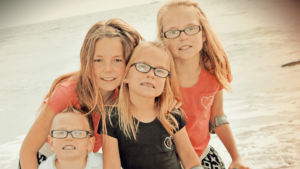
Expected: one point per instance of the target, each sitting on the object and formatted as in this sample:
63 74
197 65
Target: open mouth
185 47
69 147
108 79
148 84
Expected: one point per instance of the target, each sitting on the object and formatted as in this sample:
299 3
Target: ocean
259 37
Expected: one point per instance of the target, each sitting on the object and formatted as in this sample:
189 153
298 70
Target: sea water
258 36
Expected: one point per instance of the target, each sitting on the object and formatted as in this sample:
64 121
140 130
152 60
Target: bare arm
111 156
225 134
185 149
35 138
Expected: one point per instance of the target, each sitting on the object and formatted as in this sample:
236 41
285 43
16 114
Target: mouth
108 79
69 147
185 47
148 84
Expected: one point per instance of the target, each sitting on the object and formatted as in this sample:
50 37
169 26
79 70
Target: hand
238 164
175 104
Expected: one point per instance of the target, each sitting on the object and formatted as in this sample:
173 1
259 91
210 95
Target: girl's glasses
74 133
191 30
145 68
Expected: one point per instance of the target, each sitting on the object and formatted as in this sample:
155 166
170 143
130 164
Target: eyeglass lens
141 67
191 30
74 133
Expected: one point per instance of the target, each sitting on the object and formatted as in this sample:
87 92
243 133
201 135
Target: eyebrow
155 67
116 56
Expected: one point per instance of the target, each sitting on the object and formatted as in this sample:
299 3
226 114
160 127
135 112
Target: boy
72 140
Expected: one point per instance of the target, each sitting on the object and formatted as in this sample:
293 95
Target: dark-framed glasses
74 133
191 30
145 68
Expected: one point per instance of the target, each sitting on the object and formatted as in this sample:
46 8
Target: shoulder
95 160
48 164
178 115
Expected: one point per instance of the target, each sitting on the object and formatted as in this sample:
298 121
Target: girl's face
147 84
109 63
184 47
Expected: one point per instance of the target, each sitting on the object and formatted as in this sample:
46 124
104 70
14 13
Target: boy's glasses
145 68
74 133
191 30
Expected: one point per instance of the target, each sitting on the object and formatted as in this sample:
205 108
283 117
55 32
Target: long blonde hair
88 91
162 102
212 56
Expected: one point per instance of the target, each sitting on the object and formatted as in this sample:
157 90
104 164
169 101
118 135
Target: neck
188 67
143 107
74 163
106 96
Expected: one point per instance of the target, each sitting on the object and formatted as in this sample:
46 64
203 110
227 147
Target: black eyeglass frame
164 33
87 133
154 68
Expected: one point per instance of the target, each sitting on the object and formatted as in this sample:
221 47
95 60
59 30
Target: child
203 71
103 57
141 133
72 140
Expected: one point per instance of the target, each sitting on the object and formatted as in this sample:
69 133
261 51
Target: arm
111 156
185 149
35 138
225 134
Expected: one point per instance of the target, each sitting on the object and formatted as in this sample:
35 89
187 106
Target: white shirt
94 161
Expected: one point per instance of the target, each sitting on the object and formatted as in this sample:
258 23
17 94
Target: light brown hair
212 56
162 102
88 91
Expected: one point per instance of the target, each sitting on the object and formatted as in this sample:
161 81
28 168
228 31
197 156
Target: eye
98 60
191 28
159 70
173 31
77 132
118 60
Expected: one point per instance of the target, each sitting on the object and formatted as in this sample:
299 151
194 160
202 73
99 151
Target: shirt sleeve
229 78
61 98
180 119
110 124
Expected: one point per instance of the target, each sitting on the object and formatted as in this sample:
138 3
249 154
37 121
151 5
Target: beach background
259 37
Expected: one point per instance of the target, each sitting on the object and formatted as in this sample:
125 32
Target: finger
178 105
172 106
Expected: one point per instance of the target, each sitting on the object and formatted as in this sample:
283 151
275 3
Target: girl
203 71
140 132
104 54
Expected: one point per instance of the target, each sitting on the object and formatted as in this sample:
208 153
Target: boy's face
70 148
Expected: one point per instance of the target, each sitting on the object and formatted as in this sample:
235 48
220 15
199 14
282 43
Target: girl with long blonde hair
103 57
141 133
203 71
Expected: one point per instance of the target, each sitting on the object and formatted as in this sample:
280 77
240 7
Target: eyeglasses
145 68
74 133
191 30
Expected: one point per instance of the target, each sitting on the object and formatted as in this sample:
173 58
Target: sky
21 12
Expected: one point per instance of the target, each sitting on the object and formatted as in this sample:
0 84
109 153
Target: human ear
125 81
91 144
50 139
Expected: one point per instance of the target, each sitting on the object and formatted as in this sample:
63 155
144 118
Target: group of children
126 97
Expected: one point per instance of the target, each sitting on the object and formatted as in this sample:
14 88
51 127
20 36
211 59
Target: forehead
153 56
106 47
179 17
70 121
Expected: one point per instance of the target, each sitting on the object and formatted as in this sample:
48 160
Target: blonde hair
162 102
88 91
74 110
212 56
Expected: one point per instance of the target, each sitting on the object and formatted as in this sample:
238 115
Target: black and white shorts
212 160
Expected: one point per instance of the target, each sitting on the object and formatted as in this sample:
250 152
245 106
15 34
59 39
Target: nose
108 67
69 137
151 74
183 36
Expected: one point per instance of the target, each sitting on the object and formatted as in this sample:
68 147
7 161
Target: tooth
69 147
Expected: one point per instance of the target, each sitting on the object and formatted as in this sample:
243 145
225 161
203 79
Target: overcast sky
22 12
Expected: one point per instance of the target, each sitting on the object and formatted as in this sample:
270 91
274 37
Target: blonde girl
203 71
140 131
103 57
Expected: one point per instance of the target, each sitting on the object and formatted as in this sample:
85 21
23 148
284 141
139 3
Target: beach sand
259 37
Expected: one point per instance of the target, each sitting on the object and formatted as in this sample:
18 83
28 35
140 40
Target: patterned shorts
213 160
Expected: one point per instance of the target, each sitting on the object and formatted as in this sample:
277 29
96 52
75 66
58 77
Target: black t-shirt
153 148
